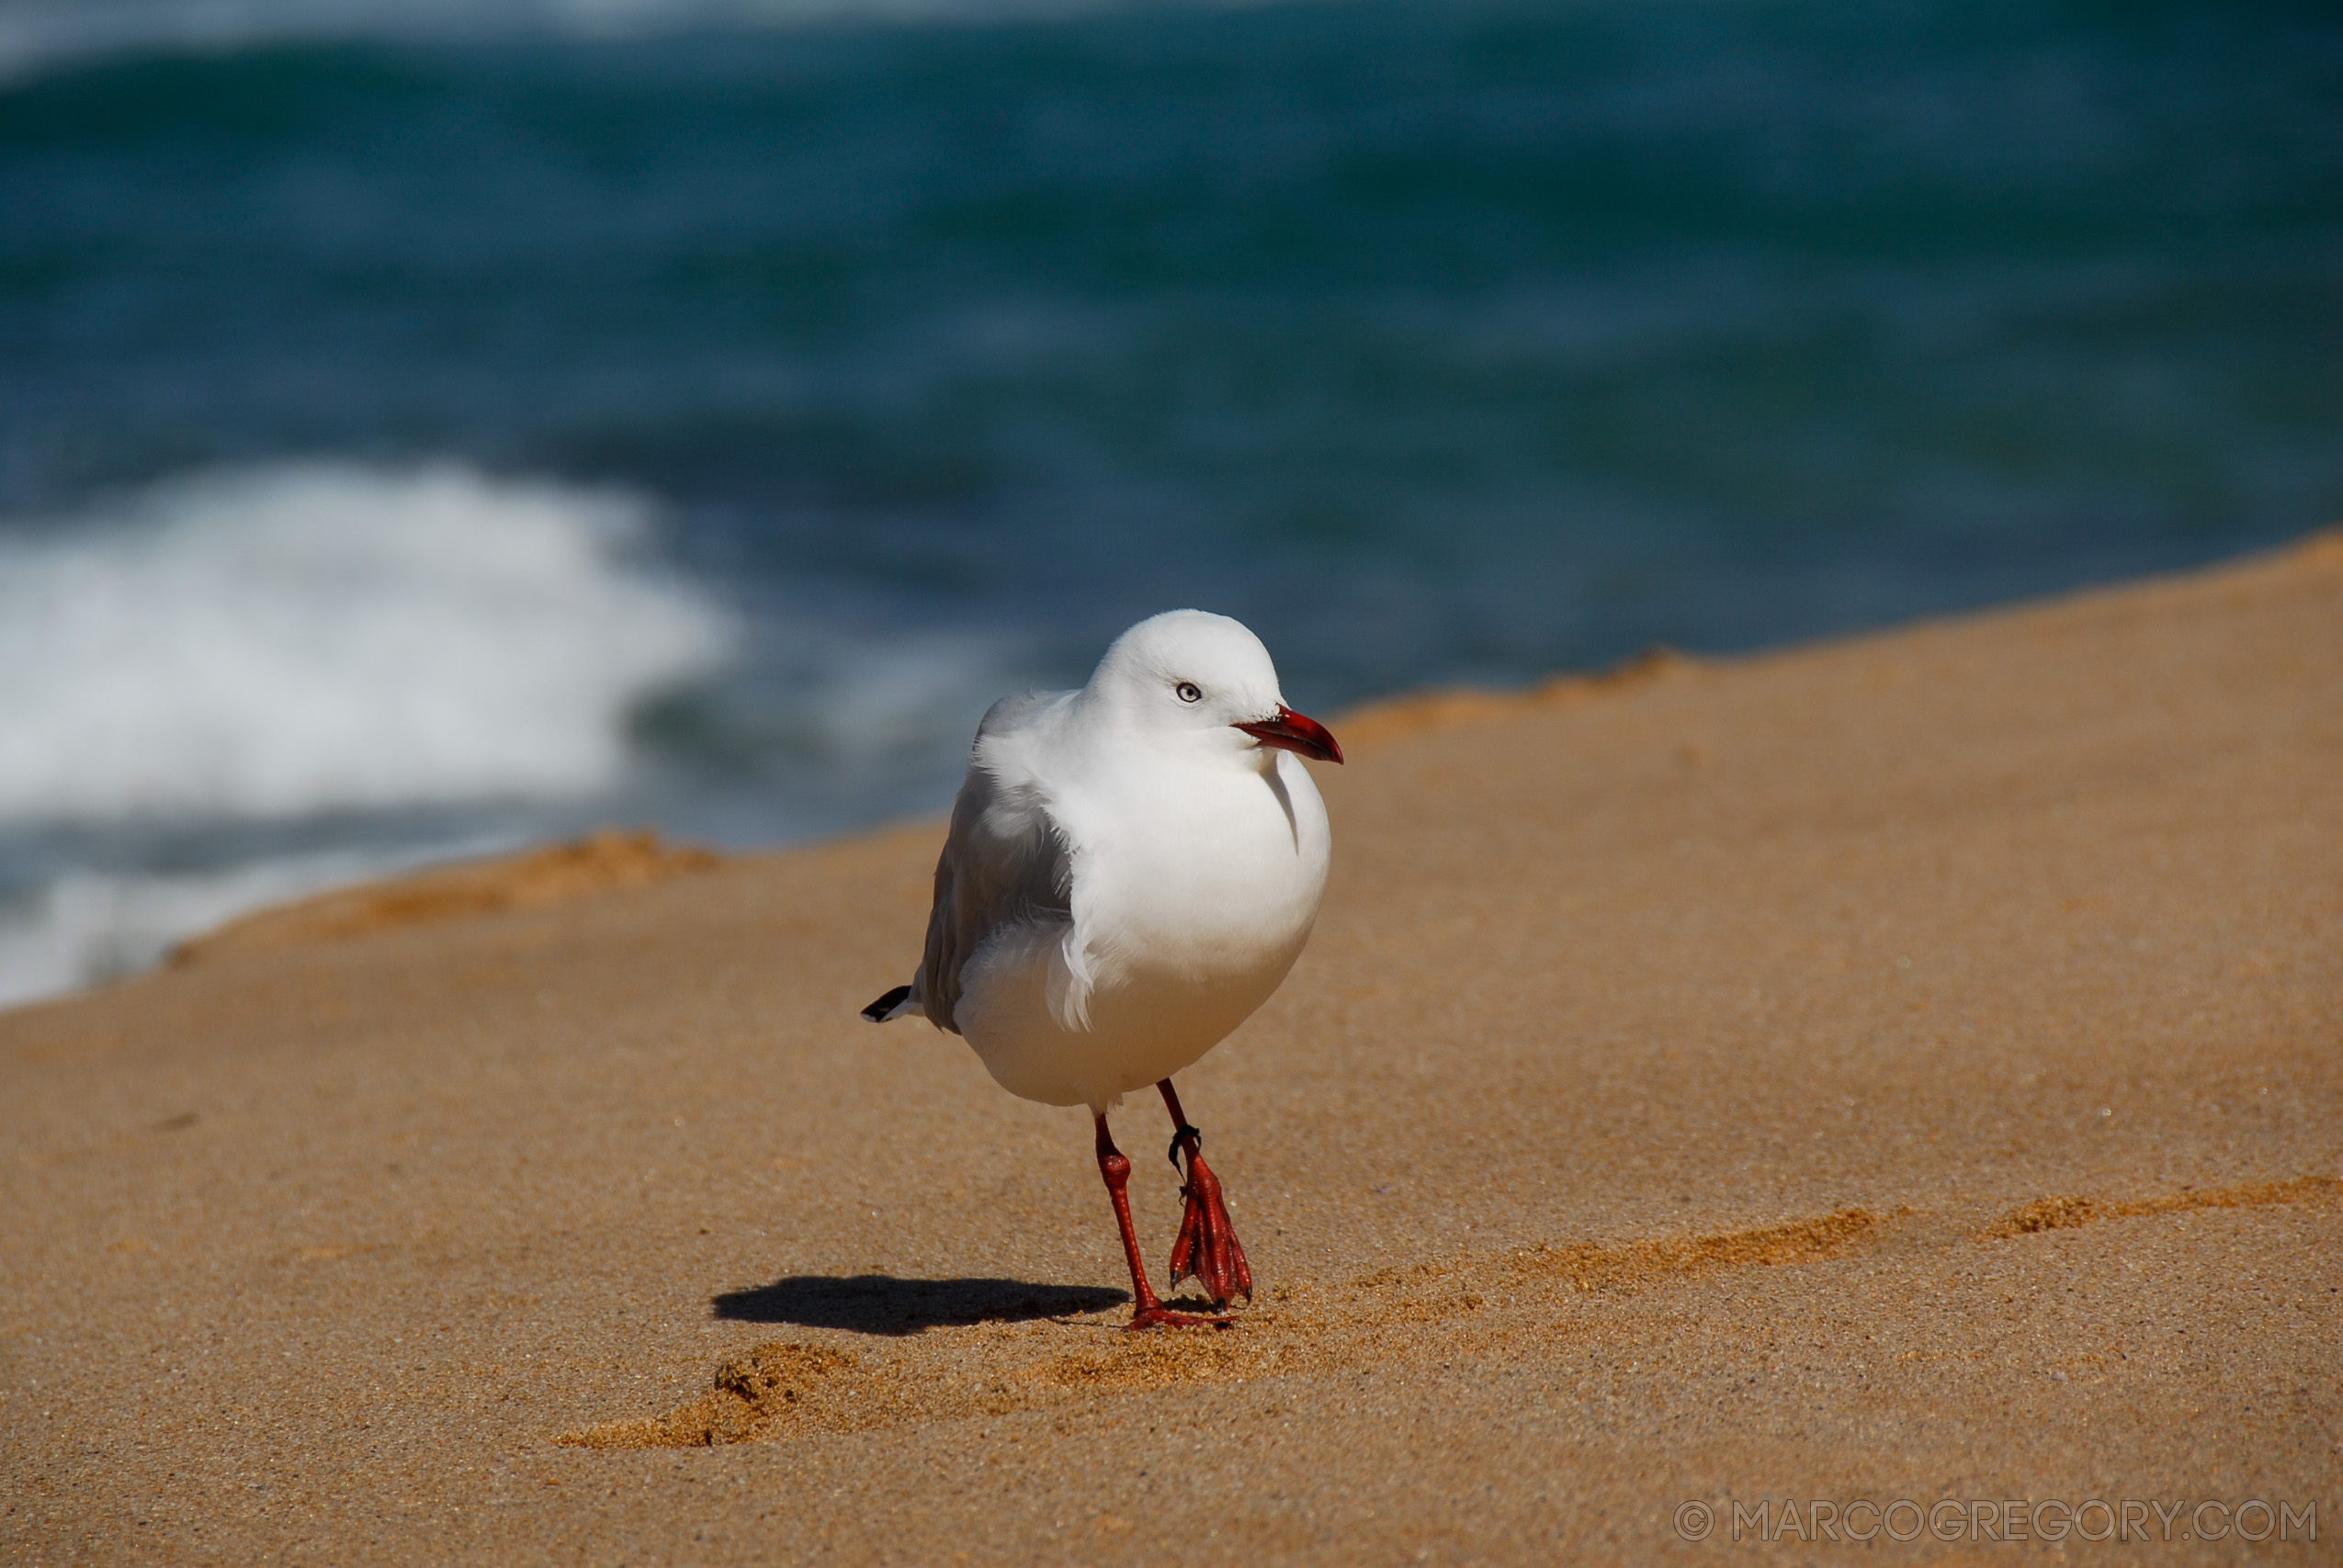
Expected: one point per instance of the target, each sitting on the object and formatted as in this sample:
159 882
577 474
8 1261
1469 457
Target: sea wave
299 638
40 36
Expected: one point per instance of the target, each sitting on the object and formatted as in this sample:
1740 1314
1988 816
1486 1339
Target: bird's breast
1216 876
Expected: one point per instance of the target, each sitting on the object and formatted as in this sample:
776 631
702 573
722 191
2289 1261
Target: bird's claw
1164 1317
1207 1250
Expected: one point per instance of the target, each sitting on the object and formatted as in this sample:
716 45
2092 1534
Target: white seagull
1132 869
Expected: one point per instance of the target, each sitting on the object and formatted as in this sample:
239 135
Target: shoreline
616 855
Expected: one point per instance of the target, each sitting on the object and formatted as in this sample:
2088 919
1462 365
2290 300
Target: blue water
788 388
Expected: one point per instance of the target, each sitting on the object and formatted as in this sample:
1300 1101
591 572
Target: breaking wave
296 639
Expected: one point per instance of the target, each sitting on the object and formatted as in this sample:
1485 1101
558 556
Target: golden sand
1908 1068
554 873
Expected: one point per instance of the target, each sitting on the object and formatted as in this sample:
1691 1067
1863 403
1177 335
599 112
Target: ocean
428 428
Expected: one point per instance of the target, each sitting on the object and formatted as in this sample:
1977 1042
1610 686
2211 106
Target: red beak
1291 731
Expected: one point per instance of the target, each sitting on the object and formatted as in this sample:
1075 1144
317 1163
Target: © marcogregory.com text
1864 1519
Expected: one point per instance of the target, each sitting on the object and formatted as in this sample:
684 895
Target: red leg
1148 1313
1207 1249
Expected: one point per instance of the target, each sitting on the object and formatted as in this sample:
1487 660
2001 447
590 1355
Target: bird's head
1189 673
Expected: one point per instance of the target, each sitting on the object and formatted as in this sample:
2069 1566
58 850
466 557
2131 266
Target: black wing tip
877 1012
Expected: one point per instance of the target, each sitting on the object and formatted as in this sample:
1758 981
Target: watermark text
1862 1520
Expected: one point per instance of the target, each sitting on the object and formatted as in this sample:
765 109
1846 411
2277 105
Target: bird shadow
880 1303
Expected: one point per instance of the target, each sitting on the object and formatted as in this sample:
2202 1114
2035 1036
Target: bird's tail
893 1005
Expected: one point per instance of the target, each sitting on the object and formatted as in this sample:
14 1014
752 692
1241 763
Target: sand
1904 1068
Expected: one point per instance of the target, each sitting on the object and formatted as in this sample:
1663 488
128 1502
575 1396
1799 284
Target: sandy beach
1907 1068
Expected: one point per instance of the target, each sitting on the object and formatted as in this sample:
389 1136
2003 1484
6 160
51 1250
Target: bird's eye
1189 691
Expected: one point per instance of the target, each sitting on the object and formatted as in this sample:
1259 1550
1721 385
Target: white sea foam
295 639
87 926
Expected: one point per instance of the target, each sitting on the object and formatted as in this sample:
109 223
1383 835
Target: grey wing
1004 864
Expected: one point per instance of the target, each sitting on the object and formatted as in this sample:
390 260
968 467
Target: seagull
1131 870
